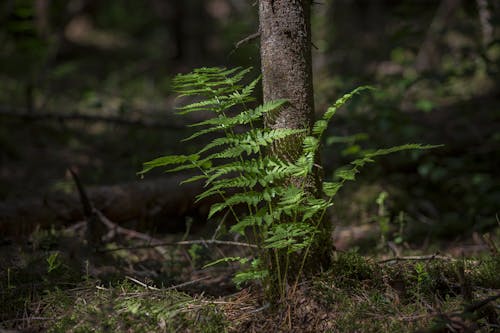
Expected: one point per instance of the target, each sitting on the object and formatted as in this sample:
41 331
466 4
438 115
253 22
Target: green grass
358 294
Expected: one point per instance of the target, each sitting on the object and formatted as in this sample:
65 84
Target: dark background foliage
434 63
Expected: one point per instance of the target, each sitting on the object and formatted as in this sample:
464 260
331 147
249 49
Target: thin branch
479 304
96 220
216 242
142 284
191 242
247 39
187 283
435 256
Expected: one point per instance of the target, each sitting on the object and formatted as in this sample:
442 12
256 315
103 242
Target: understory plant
280 217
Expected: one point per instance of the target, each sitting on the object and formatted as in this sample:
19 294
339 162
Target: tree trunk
285 51
285 36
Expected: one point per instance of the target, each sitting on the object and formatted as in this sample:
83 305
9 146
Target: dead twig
435 256
98 223
479 304
142 284
191 242
188 283
247 39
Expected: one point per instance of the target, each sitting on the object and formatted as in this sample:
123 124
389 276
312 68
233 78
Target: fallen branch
142 284
74 116
189 242
157 204
479 304
435 256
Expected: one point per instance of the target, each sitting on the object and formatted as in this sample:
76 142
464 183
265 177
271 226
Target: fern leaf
227 259
203 132
313 206
293 236
262 216
346 174
255 137
168 160
250 275
193 179
417 146
331 188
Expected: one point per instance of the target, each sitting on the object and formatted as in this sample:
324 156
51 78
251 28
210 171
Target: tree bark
285 50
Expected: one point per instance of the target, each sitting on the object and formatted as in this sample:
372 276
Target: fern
236 167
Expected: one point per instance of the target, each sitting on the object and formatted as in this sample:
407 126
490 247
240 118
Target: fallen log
155 205
75 116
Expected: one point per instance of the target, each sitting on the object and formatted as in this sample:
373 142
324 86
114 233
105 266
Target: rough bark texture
285 50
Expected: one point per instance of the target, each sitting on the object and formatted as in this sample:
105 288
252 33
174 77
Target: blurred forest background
86 84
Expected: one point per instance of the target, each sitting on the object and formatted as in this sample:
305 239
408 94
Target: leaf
168 160
226 259
341 101
331 188
215 208
346 139
293 236
262 216
417 146
194 179
242 277
346 174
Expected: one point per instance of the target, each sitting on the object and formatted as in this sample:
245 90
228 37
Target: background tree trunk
285 51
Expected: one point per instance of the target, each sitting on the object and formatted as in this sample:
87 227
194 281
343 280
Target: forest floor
53 282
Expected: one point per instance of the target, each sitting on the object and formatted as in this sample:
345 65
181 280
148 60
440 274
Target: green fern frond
168 160
341 101
313 206
330 189
224 123
247 91
250 167
218 186
209 82
237 168
250 275
244 117
293 236
409 146
249 142
349 173
246 222
194 179
291 197
266 169
203 132
320 125
212 104
227 259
